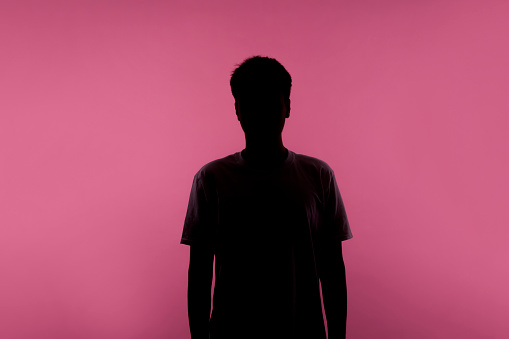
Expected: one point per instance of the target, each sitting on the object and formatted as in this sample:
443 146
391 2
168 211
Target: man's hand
331 269
200 273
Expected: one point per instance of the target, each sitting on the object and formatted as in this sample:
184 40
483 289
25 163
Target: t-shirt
264 227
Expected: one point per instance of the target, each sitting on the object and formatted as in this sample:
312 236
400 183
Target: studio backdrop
109 108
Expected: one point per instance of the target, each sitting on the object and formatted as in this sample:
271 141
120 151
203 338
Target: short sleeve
200 220
335 223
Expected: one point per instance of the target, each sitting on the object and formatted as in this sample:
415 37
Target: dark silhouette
273 219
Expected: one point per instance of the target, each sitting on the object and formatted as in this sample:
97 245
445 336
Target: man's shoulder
218 164
312 162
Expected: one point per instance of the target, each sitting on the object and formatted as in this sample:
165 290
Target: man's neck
264 155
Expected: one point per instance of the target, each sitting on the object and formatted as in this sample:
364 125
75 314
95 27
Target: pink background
108 109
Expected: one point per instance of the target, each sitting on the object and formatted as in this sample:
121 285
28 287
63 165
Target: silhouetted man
274 220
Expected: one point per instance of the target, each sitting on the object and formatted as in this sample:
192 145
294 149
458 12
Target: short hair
259 72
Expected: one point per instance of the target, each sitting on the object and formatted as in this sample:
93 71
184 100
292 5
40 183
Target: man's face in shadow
262 112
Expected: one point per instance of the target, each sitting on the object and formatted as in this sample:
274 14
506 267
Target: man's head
261 88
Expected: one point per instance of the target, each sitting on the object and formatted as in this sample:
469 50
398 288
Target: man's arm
331 269
200 272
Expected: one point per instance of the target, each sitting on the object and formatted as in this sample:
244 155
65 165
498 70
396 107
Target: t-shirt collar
289 159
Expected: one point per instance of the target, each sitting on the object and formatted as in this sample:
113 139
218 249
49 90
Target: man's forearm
335 305
198 300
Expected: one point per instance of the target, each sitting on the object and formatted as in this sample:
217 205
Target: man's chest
266 209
